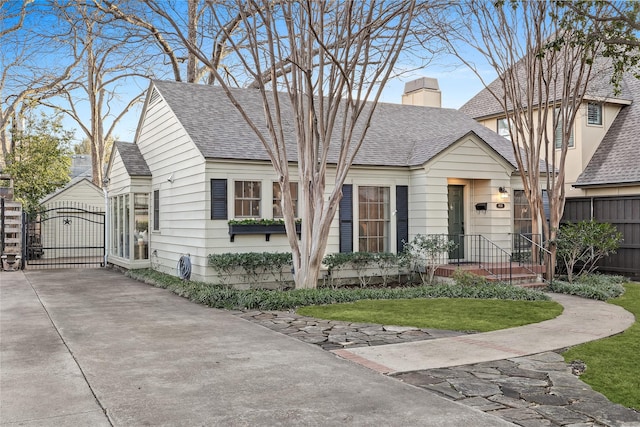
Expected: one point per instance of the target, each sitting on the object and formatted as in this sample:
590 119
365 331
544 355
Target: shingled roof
132 159
617 158
400 135
484 104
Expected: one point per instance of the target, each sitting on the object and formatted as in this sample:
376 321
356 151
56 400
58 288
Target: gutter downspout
107 221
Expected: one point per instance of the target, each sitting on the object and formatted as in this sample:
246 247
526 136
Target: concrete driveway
94 348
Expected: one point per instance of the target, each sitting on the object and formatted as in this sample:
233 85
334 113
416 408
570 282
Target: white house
195 164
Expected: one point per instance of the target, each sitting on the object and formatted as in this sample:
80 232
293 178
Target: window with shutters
247 199
594 114
277 199
373 219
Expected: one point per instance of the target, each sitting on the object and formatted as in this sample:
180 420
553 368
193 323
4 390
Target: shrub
425 253
581 245
254 265
256 299
362 263
593 286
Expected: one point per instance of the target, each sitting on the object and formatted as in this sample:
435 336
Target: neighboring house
195 164
603 161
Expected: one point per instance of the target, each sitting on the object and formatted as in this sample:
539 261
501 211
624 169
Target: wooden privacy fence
624 213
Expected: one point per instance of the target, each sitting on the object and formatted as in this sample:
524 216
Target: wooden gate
624 213
65 235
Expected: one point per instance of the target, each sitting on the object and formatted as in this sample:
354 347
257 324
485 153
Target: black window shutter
345 219
402 216
156 209
218 199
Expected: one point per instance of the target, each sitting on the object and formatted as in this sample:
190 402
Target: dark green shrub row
386 264
593 286
253 265
224 297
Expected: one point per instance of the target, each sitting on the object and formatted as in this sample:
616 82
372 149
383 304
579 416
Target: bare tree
112 59
156 19
23 79
544 71
331 61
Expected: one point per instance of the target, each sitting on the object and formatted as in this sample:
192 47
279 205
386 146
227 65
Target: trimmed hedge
218 296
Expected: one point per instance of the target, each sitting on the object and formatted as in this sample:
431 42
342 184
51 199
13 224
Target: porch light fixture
504 194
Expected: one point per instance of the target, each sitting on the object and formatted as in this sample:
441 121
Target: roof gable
484 104
617 158
75 185
132 159
399 135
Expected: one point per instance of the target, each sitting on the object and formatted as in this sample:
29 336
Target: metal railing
487 255
478 250
528 250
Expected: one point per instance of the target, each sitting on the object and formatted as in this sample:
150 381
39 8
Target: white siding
119 180
481 171
170 153
218 240
81 192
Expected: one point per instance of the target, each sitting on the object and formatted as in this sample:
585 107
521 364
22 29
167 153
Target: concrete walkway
93 348
582 320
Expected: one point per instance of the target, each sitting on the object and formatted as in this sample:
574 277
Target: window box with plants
259 226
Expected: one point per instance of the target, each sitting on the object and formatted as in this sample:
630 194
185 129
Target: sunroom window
129 226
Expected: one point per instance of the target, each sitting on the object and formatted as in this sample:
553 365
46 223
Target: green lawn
613 364
458 314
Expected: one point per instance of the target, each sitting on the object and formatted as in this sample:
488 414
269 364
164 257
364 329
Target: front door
455 200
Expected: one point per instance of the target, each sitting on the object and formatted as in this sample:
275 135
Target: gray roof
617 158
132 159
484 104
81 166
400 135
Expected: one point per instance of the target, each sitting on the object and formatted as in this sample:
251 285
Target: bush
363 263
218 296
581 245
425 253
253 265
594 286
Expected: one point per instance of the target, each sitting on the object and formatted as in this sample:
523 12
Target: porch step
493 272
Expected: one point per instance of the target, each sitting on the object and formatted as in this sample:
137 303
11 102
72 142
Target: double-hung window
373 219
247 199
277 199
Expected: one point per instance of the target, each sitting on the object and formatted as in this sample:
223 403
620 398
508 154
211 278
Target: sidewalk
582 320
